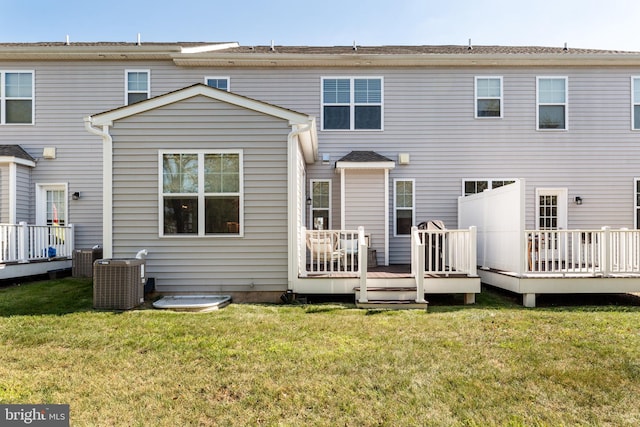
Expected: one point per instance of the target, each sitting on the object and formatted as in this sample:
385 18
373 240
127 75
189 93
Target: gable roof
303 123
365 160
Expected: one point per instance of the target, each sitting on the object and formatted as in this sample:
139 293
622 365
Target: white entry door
551 214
51 204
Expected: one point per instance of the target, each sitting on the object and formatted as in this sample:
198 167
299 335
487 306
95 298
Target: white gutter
292 200
107 185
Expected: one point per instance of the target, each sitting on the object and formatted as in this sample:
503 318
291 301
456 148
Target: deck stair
393 298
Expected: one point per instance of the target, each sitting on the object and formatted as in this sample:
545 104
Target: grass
325 364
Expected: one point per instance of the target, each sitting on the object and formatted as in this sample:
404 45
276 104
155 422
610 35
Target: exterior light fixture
76 195
578 200
308 201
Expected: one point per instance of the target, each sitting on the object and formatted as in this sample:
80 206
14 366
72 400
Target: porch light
76 195
308 201
578 200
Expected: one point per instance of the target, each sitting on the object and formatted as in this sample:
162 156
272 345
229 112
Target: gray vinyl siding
428 113
365 206
4 193
256 262
24 191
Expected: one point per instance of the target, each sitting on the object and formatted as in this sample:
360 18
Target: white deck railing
603 252
445 251
337 252
24 243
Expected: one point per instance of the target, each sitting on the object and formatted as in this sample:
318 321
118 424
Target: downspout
107 185
292 202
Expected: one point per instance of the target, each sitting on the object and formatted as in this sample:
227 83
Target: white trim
365 165
126 84
636 202
386 217
201 194
41 200
328 226
563 200
633 101
108 117
17 161
13 193
395 205
227 78
4 98
352 104
565 103
476 97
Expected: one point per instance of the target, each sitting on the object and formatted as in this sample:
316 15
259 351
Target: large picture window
16 97
404 202
201 193
350 103
552 103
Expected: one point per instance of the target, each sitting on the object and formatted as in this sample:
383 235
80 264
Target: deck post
363 254
420 274
23 242
473 252
529 300
605 251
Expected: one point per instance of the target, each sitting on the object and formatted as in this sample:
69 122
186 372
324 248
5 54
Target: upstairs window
635 88
488 97
221 83
201 193
352 103
16 97
552 103
137 86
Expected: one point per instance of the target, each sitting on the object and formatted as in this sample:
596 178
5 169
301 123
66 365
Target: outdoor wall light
578 200
308 201
76 195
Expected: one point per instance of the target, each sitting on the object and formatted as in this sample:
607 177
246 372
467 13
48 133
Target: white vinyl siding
17 104
137 86
404 203
552 103
222 83
352 103
488 97
635 103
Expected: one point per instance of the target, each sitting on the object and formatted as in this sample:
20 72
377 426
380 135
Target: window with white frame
474 186
637 203
352 103
552 103
16 97
138 86
221 83
488 97
201 193
635 108
320 204
404 205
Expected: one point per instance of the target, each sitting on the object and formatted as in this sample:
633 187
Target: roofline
108 117
222 59
17 160
341 164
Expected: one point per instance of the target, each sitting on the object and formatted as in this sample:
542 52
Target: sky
612 24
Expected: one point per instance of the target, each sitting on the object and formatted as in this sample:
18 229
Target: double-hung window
320 204
138 86
552 103
488 97
202 193
404 206
635 108
352 103
221 83
16 97
478 186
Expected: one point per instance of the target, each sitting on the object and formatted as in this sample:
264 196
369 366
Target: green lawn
494 363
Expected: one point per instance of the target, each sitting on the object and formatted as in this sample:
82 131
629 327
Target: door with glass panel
320 218
51 202
551 214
